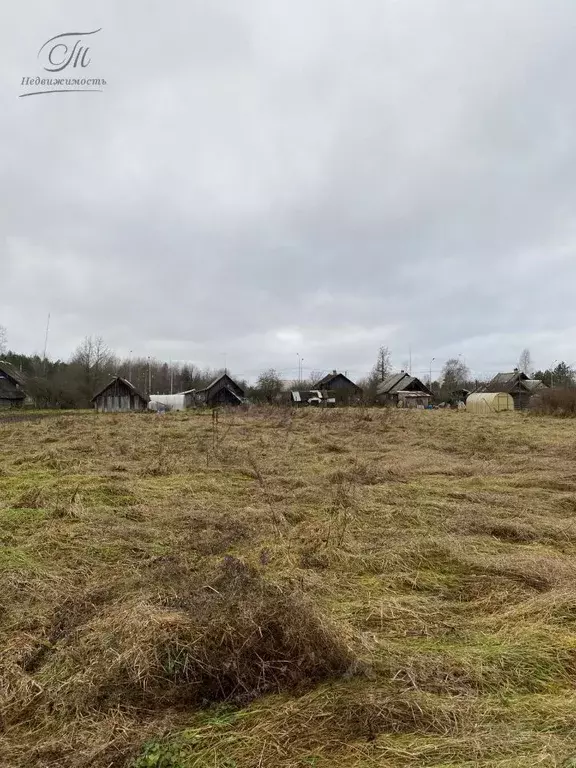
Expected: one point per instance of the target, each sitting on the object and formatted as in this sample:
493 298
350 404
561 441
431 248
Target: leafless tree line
72 383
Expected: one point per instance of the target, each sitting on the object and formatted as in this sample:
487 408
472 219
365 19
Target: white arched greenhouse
489 402
178 402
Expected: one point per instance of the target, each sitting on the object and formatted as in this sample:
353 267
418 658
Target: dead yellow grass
287 588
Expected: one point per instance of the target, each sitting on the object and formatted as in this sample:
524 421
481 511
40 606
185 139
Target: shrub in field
556 402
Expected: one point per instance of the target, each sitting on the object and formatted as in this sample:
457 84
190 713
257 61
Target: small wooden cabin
222 391
404 391
340 387
12 394
119 395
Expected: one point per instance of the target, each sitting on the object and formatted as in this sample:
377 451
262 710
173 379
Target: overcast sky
263 179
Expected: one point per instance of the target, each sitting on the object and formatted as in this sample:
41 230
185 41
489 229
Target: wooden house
340 387
222 391
404 391
120 395
518 384
12 394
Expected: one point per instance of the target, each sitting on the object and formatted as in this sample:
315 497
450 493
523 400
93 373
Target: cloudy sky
261 179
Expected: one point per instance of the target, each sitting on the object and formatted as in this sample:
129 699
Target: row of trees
72 383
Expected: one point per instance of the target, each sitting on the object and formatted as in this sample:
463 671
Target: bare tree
308 383
382 366
379 373
93 354
313 378
95 361
455 374
525 362
269 387
3 340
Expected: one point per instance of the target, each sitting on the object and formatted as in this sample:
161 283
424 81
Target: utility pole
430 379
46 337
130 366
171 378
149 377
46 342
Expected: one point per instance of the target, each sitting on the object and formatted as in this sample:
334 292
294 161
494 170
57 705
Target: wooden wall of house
226 381
521 400
212 395
117 388
119 403
11 396
118 397
190 400
340 383
222 396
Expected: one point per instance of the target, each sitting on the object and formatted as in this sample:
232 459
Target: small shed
12 394
489 402
119 395
341 388
404 390
222 391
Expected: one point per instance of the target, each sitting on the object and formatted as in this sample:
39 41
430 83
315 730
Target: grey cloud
263 179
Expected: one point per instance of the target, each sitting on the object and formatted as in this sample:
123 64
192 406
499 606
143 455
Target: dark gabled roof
533 384
329 378
506 382
218 379
399 382
391 383
126 383
508 378
8 370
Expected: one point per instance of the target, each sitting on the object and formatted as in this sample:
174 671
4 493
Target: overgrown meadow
287 588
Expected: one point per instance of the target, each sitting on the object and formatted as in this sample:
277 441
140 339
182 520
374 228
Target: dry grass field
346 588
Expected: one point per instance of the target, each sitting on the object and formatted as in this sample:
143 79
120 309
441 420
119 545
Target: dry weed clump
233 638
